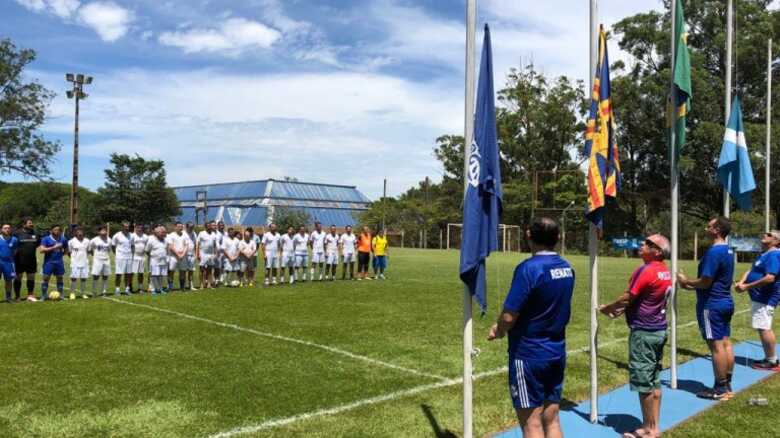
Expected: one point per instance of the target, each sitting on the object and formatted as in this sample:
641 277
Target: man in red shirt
644 303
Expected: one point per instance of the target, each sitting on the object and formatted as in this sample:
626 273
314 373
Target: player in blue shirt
8 246
535 314
53 247
763 282
714 305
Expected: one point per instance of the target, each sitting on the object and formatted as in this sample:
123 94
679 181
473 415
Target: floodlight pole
468 347
77 93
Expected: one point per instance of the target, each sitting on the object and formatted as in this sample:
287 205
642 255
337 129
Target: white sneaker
32 299
292 280
274 282
320 277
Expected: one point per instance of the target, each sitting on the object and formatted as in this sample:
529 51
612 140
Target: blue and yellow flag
600 144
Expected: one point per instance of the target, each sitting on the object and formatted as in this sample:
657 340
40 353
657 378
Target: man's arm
504 323
696 283
617 307
763 281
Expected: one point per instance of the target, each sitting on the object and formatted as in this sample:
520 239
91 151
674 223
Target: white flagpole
675 200
767 193
471 27
593 241
729 38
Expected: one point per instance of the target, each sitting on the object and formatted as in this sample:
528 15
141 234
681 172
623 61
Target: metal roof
272 189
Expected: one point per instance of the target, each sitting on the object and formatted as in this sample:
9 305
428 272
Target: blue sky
345 92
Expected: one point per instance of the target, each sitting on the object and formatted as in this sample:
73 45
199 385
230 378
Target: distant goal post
509 237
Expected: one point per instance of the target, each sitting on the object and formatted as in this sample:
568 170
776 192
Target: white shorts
101 267
138 265
245 265
333 259
762 316
348 258
79 271
301 260
158 270
271 260
123 266
318 257
207 260
229 266
191 262
175 264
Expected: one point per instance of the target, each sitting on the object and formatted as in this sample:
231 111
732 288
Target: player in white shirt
331 253
288 255
79 263
230 263
270 244
219 263
139 256
206 251
192 263
122 246
301 244
254 262
317 250
347 243
100 248
247 251
177 244
158 260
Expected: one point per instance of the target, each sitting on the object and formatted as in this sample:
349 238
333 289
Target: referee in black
26 260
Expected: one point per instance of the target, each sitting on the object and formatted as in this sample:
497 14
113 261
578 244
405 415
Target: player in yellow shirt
379 250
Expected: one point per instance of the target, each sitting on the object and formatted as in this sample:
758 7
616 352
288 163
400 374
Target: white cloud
60 8
234 35
108 19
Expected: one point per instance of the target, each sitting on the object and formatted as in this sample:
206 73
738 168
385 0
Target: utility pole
78 81
384 206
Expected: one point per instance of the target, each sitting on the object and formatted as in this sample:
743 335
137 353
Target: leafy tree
22 111
285 217
136 190
46 203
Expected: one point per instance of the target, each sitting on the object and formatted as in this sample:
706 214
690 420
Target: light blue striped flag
734 171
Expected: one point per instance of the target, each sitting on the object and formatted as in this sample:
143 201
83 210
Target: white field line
398 394
329 349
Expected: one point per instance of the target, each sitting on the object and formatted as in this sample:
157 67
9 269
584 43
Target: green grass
101 368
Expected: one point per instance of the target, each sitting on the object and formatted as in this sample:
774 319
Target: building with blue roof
253 203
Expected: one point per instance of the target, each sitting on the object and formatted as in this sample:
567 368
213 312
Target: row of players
227 257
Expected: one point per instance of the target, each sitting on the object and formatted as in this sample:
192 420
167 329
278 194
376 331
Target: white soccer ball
55 296
235 283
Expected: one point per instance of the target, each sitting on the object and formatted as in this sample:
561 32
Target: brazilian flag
682 80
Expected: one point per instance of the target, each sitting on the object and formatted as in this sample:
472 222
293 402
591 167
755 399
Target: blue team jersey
717 264
540 293
7 248
54 256
767 263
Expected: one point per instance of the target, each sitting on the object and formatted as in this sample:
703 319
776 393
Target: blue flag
482 203
734 171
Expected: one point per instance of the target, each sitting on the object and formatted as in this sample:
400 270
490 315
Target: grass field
354 359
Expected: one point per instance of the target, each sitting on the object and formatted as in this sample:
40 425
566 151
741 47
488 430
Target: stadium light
77 92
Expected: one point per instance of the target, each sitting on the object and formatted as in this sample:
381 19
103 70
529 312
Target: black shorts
363 259
25 265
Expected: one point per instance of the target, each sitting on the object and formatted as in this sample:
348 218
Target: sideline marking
283 338
397 394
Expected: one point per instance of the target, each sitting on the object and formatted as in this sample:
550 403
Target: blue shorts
380 262
55 268
715 323
7 270
534 382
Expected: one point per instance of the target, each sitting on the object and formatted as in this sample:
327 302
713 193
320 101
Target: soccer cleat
274 282
716 393
32 299
766 365
292 280
84 296
72 296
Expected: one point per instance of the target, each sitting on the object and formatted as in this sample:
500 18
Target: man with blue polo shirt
8 246
763 282
535 314
53 248
715 306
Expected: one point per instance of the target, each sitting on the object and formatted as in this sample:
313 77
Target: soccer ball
55 296
235 283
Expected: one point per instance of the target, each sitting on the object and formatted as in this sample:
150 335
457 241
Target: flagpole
471 27
593 242
675 199
768 133
729 39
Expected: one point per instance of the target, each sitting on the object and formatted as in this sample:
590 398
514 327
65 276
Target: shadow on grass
618 363
691 353
438 433
620 423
